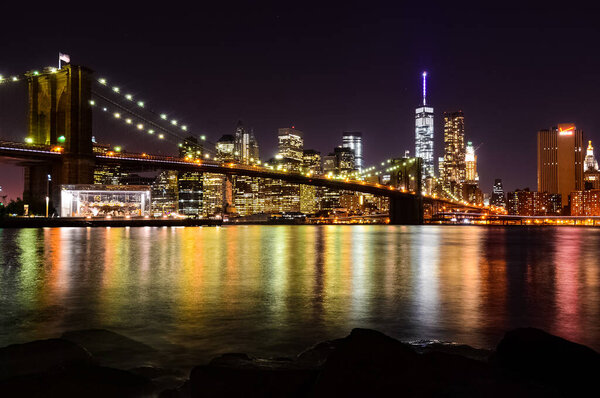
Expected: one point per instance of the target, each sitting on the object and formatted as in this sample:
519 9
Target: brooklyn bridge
59 148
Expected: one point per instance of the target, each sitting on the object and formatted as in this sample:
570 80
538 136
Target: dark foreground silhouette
527 362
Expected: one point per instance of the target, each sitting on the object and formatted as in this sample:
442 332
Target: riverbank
99 363
40 222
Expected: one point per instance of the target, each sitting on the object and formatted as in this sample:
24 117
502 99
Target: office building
310 194
345 162
190 193
290 146
498 198
590 161
164 194
532 203
214 201
585 203
109 174
353 141
454 167
246 146
560 160
424 133
471 176
226 148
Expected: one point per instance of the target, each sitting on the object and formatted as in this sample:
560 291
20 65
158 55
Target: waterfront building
424 134
585 203
353 141
498 199
213 194
454 166
164 193
226 148
90 200
560 160
248 195
246 146
309 194
532 203
190 193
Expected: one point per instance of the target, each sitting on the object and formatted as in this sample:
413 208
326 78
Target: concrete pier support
406 210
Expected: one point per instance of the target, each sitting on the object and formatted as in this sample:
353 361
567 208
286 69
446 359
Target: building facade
454 165
532 203
246 146
498 198
585 203
424 134
165 194
560 160
353 141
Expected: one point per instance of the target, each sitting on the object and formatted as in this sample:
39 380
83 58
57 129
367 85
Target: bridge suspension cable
127 103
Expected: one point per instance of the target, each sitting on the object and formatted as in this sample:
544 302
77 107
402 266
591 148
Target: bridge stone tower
60 114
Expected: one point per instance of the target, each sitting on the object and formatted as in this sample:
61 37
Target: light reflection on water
274 290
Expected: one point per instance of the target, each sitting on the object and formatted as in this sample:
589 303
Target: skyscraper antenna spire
424 88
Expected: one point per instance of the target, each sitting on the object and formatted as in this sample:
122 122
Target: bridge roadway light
14 78
163 116
140 104
174 122
29 140
129 97
116 89
102 81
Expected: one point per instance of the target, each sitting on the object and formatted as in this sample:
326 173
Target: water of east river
276 290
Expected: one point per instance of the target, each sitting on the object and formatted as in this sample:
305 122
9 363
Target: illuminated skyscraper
309 194
498 199
560 161
190 193
246 146
424 134
471 176
590 162
454 152
353 140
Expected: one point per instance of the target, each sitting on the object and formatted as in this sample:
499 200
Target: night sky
326 68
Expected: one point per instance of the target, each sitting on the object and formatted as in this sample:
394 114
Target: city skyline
504 105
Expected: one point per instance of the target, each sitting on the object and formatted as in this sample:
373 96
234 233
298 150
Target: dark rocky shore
91 363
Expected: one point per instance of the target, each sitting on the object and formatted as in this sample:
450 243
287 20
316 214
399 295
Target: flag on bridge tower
63 57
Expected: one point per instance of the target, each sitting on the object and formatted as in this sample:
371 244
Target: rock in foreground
369 363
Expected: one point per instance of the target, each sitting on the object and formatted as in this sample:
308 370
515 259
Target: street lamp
48 193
